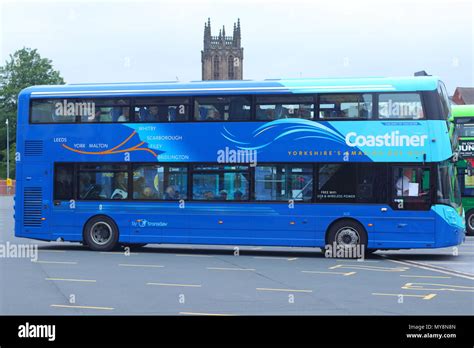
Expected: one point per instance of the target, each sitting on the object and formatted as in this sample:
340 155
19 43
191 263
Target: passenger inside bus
223 195
213 115
170 193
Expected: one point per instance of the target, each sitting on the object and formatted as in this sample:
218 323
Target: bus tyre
347 234
470 223
101 233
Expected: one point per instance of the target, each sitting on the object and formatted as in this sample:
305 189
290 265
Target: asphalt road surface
68 279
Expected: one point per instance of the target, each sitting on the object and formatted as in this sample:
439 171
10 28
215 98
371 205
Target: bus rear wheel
101 233
470 223
349 237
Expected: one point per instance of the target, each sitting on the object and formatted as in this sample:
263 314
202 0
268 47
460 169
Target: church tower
222 56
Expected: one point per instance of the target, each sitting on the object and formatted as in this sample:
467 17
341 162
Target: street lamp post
8 154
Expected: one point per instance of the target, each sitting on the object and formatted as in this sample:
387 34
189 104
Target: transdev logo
145 223
392 139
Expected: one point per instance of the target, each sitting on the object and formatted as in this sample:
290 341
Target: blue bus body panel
289 140
272 224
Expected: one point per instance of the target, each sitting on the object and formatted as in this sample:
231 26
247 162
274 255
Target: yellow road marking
190 255
83 307
56 262
372 268
211 314
358 260
179 285
420 276
283 290
437 287
424 297
434 268
339 273
230 269
134 265
72 280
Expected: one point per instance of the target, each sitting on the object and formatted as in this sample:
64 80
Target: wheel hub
347 236
101 233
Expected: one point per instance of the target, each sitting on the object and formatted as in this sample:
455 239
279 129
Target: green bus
463 117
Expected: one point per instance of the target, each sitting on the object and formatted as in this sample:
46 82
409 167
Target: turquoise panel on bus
284 140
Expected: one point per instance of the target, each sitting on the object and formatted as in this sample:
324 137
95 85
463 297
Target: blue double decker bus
304 162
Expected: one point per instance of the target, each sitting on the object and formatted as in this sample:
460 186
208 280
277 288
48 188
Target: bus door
63 204
411 199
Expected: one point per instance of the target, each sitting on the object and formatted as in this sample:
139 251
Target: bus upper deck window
52 111
161 109
400 106
282 106
345 106
231 108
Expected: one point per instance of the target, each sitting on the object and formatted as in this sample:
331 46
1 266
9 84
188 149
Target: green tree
24 68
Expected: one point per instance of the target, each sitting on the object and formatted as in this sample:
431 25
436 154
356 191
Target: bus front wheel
349 237
101 233
470 223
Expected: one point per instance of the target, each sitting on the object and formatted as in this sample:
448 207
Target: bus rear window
400 106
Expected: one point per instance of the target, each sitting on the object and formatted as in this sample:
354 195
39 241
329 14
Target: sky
138 41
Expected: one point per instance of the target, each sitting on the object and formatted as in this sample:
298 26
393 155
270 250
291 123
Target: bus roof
462 110
321 85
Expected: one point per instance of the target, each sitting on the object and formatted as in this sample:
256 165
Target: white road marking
83 307
283 290
421 276
437 287
177 285
134 265
116 253
72 280
372 268
275 258
210 314
338 273
230 269
56 262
